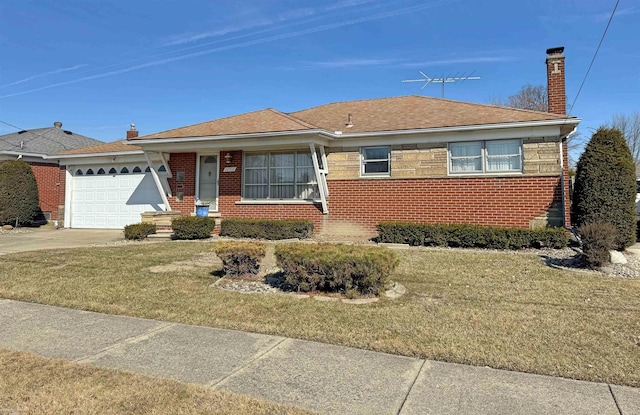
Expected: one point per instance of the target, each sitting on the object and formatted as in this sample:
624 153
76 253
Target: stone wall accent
541 156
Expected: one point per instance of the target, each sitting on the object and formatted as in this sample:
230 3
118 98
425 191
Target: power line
594 55
33 133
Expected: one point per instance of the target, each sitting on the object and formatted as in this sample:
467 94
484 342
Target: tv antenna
443 80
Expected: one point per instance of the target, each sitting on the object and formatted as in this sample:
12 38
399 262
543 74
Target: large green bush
240 258
266 228
139 231
18 193
192 227
336 268
605 187
597 240
470 236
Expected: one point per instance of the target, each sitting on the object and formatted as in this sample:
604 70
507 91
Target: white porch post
324 171
156 179
319 178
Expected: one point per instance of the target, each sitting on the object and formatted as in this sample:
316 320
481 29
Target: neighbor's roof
371 115
114 147
45 141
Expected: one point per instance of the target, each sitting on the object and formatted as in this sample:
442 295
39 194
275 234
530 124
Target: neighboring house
36 148
356 163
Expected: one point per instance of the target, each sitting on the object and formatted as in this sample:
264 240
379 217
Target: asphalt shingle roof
113 147
44 141
371 115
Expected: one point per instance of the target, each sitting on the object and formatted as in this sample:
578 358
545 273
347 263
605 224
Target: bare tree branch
629 126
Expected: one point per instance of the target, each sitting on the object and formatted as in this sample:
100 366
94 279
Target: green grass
503 310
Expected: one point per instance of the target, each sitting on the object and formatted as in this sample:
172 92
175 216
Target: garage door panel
112 201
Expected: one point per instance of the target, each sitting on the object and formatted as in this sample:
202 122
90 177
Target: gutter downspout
563 179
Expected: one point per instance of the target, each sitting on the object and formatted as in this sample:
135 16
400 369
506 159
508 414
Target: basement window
495 156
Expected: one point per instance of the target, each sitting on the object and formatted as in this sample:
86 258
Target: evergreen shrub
139 231
605 187
18 193
336 268
240 258
597 240
192 227
470 236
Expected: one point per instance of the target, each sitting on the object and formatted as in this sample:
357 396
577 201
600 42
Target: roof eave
85 155
142 141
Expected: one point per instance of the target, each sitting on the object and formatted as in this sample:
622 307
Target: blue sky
99 65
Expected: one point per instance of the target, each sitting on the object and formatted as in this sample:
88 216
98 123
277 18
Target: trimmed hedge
597 240
470 236
336 268
240 258
192 227
266 228
139 231
18 193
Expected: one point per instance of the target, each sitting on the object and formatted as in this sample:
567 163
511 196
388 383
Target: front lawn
503 310
32 385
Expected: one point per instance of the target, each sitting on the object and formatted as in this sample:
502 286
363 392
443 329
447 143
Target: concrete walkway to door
33 239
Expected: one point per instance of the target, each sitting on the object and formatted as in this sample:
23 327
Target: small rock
617 257
7 227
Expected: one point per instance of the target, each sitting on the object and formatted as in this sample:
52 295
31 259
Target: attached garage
112 196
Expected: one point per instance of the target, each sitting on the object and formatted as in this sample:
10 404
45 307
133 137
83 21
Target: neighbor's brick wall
541 156
62 189
184 162
503 201
49 184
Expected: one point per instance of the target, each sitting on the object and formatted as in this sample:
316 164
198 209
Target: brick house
357 163
37 147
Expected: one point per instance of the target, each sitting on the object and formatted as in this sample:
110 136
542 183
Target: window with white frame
375 161
495 156
279 176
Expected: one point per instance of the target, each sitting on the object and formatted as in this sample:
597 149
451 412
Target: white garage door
111 197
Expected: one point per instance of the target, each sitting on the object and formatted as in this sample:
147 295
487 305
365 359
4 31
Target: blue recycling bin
202 211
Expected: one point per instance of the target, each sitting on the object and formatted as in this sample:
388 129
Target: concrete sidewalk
320 377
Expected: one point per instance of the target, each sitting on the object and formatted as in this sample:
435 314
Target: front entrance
208 181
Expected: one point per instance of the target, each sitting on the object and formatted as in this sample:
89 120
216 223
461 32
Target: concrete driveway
37 239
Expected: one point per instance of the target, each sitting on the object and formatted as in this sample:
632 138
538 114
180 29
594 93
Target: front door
208 181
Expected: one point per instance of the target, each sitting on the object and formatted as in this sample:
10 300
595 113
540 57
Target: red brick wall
49 187
506 201
556 92
185 162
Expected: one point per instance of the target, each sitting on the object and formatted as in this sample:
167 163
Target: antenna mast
443 80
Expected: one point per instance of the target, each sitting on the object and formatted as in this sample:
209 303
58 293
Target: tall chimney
556 94
132 132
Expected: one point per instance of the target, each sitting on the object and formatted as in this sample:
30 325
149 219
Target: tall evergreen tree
605 187
18 193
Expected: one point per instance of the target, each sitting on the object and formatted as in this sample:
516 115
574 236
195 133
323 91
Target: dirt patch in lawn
199 261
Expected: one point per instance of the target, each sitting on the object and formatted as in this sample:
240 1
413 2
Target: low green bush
470 236
597 240
240 258
336 268
192 227
139 231
266 228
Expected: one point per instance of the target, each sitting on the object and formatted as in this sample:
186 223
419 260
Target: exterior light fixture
228 158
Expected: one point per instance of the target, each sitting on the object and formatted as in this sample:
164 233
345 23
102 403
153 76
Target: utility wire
594 55
32 133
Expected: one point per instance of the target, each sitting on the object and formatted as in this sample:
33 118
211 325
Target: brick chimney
556 93
132 132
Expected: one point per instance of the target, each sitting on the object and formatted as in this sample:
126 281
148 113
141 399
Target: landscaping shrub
605 187
470 236
266 228
240 258
18 193
597 240
336 268
192 227
139 231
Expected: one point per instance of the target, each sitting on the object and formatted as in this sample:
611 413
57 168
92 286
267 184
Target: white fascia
291 139
94 158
